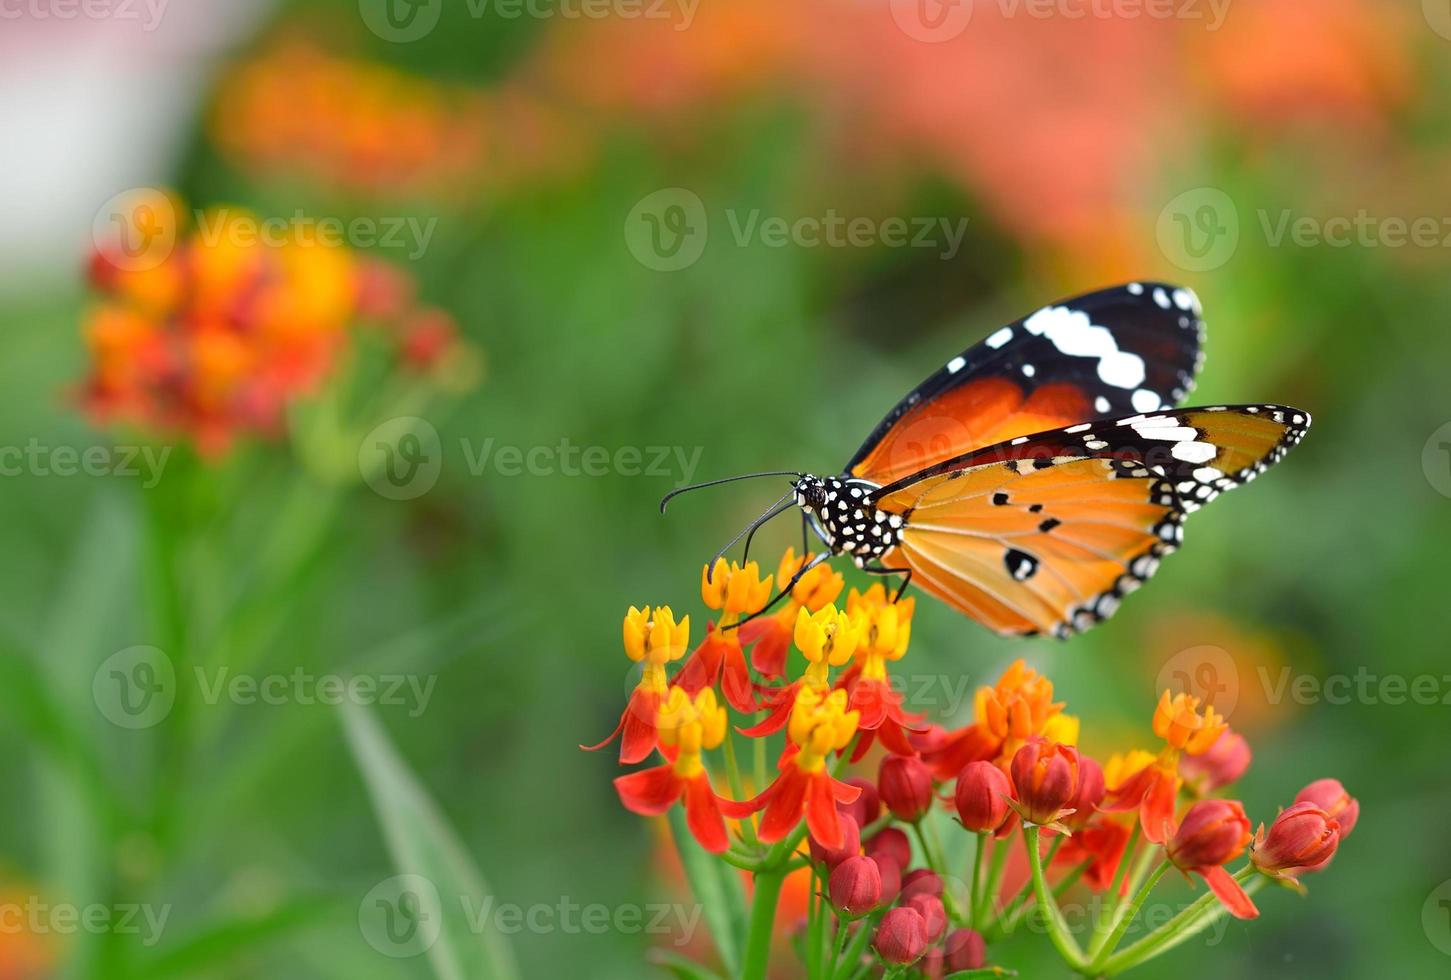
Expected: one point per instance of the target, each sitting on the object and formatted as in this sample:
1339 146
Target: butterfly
1041 475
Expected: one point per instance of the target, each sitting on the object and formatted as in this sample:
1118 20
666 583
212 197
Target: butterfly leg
785 591
906 574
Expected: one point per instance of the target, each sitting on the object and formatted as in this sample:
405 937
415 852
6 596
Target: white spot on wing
956 364
1145 400
1194 452
1000 337
1074 334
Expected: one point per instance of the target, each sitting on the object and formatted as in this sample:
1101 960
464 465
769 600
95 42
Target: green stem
850 961
762 924
1004 924
1191 920
990 891
838 946
733 776
1063 940
1126 916
1104 923
935 862
975 902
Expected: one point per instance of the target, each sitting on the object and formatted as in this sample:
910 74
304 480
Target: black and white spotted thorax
844 516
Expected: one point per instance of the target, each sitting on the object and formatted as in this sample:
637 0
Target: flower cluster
884 894
215 333
372 129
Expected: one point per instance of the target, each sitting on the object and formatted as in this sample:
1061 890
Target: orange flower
820 724
770 636
826 639
654 641
1017 708
886 629
687 728
1177 721
733 590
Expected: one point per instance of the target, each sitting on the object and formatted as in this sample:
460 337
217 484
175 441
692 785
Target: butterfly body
1041 475
845 519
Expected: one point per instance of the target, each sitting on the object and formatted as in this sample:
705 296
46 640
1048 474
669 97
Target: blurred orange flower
220 333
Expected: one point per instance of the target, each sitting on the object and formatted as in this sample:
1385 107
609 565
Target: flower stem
850 962
1190 921
733 777
989 903
762 924
1063 940
935 862
975 910
1103 924
1125 915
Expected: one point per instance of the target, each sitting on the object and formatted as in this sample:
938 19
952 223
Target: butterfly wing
1133 348
1046 533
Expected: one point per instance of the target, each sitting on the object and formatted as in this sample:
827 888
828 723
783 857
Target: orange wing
1046 534
1107 354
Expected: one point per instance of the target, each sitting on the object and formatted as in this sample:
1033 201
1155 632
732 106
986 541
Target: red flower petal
821 813
785 799
772 644
1227 890
650 792
736 679
973 743
781 701
703 815
639 720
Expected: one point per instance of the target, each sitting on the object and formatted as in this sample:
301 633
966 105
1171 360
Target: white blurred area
96 97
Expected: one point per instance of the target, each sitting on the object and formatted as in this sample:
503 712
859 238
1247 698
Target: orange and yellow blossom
820 724
1153 787
769 637
886 631
826 638
686 729
733 590
654 641
1018 707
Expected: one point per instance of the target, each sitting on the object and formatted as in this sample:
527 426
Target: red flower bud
966 950
934 914
1224 763
982 796
867 807
1331 797
1045 777
892 843
891 873
851 844
855 887
905 784
920 881
1302 838
931 964
1213 832
901 937
1088 796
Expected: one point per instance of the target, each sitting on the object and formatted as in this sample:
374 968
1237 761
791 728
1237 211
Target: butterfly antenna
782 504
729 479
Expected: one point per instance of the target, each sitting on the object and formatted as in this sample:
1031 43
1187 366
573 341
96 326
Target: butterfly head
810 493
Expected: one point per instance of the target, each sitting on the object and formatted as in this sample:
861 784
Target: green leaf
438 891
